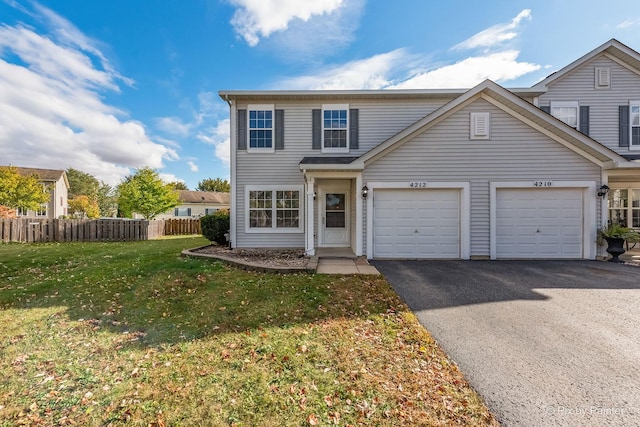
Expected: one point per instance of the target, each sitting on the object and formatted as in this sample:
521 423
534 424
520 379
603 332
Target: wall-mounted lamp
602 191
365 192
314 195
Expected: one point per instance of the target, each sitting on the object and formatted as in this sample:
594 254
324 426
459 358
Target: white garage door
539 223
416 223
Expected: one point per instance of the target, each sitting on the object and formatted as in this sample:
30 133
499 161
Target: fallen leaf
312 420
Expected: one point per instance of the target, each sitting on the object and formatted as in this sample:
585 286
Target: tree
145 193
178 185
217 184
107 200
81 183
84 207
17 191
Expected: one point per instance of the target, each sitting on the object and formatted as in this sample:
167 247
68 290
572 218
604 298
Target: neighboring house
58 185
483 173
194 204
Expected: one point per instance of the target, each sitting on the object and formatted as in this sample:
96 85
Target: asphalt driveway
544 342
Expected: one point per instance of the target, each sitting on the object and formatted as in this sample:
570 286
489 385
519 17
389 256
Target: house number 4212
542 183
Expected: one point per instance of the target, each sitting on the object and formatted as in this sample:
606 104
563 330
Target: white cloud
173 126
52 112
219 136
260 18
627 24
169 177
192 166
370 73
496 34
499 67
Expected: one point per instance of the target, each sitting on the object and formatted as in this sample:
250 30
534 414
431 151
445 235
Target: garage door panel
539 223
416 224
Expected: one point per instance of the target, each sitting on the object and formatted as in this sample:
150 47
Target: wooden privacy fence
29 230
181 226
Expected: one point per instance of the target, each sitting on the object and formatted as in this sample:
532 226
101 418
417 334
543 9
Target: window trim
341 150
176 212
261 107
274 225
632 146
566 104
629 209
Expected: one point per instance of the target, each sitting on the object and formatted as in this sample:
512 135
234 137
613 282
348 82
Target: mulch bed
267 257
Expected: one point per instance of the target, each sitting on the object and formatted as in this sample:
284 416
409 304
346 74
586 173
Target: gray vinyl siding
515 152
377 122
578 85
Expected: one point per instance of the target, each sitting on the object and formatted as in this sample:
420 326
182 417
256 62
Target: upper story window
567 112
335 128
634 122
260 128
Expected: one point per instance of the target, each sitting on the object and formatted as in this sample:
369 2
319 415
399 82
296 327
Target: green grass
133 334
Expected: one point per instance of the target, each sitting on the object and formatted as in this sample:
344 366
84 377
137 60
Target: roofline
227 95
357 165
459 102
542 84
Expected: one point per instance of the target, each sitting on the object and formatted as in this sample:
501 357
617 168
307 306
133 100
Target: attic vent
603 78
479 126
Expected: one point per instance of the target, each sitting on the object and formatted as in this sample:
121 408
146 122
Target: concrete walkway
345 266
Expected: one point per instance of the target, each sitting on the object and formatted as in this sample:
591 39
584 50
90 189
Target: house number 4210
542 183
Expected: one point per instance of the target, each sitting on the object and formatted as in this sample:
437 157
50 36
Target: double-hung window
182 212
567 112
260 128
634 124
335 128
274 209
624 207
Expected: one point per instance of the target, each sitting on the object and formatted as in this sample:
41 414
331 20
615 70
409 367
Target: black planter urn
615 248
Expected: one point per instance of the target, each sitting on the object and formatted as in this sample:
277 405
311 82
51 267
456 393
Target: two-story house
58 184
483 173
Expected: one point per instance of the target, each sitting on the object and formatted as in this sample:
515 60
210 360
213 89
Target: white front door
334 217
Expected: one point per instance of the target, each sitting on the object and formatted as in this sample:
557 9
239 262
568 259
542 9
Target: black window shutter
353 129
623 129
316 125
242 129
546 109
188 211
175 212
584 119
279 129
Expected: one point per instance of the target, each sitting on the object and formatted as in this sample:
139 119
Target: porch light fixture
314 195
603 190
365 192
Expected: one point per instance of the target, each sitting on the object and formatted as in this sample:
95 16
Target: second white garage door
539 223
416 224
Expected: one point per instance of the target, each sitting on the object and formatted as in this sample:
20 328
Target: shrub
215 226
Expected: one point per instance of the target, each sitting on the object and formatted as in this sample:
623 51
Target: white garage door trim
465 211
589 208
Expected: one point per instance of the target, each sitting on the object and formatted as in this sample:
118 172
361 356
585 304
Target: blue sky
110 86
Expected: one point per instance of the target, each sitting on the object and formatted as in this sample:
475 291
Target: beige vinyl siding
515 152
578 85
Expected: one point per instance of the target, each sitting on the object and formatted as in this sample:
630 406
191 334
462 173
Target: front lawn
131 333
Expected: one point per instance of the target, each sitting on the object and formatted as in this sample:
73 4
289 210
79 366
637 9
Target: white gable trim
621 63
